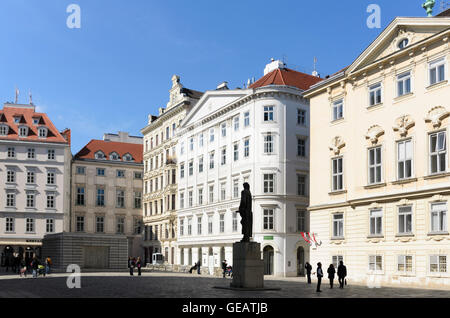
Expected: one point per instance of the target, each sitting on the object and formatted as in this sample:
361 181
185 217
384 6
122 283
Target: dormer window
23 131
36 120
4 130
403 43
99 155
114 156
16 120
42 132
127 157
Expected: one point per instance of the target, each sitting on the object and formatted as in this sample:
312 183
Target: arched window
99 155
114 156
42 132
23 131
127 157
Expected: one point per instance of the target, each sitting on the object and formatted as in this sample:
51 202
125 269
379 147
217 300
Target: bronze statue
245 210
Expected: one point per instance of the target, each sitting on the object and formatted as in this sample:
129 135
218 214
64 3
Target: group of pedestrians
132 263
226 269
341 273
24 266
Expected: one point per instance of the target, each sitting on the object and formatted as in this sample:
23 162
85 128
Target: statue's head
246 186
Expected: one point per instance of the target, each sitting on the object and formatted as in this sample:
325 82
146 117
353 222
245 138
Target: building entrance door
268 260
300 261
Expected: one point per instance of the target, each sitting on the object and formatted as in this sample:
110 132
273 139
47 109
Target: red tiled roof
27 113
108 147
287 77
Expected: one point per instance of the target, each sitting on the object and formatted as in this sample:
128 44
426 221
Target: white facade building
35 170
257 135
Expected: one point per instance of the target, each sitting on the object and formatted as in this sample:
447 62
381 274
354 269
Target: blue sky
115 70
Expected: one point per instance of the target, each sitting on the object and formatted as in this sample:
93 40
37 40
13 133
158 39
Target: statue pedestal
248 268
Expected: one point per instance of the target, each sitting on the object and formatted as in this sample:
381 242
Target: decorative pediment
175 91
404 37
436 115
403 124
374 133
336 145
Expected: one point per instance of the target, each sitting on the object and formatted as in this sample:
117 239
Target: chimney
67 135
273 65
222 86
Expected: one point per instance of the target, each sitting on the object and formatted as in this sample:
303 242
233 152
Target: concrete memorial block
248 268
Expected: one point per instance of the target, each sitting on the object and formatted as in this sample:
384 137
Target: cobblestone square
176 285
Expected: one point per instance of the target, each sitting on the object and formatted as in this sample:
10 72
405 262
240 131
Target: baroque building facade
160 173
107 192
258 135
380 181
35 169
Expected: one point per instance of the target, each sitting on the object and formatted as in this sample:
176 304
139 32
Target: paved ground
162 285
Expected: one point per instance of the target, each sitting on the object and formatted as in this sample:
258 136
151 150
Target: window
301 184
3 130
268 219
31 153
100 224
246 119
200 196
81 170
301 117
9 225
51 154
404 159
268 143
200 164
181 148
404 84
191 144
224 156
49 225
182 171
375 94
301 221
403 43
210 224
137 200
11 152
30 200
190 199
114 156
222 223
268 184
404 263
338 109
173 129
30 226
336 259
246 147
199 225
50 201
375 262
223 127
438 263
30 177
42 132
120 173
80 196
235 188
189 226
338 225
337 174
10 200
439 217
10 176
211 135
211 160
405 220
100 197
120 199
80 223
167 132
234 222
376 221
236 123
181 227
211 194
375 165
100 172
200 140
437 71
138 175
182 200
23 131
120 224
268 113
50 177
301 147
236 152
438 152
223 191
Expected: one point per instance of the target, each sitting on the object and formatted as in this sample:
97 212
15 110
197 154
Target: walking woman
331 272
138 264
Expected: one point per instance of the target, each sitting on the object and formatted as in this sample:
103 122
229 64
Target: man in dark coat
245 210
319 276
198 267
342 273
308 268
331 272
224 267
